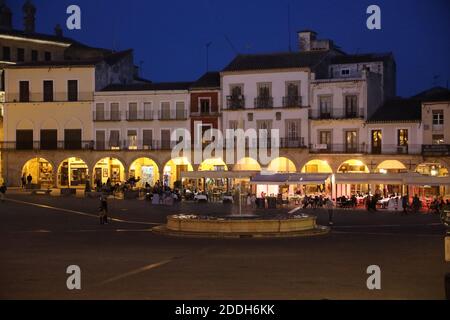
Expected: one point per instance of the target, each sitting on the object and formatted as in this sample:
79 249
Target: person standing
103 209
3 192
330 207
29 179
23 179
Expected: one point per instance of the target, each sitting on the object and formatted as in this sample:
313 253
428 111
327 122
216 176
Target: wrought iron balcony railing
292 102
263 102
235 102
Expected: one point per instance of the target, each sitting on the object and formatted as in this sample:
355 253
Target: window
206 135
132 139
148 114
100 112
72 139
264 130
6 53
100 140
438 139
114 142
351 141
236 90
180 112
24 139
147 137
325 106
20 55
278 116
132 111
47 56
264 89
24 91
376 140
205 105
34 55
402 137
165 139
293 89
115 112
293 130
72 90
48 90
351 106
233 125
49 139
165 110
325 138
345 72
438 117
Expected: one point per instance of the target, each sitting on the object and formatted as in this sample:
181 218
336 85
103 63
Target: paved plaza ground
41 235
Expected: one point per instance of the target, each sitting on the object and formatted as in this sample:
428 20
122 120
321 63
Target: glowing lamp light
383 171
434 172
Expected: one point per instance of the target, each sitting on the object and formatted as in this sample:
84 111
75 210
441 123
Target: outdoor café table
384 202
228 198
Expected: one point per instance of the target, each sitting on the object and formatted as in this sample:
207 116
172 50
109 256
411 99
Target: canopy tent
290 179
368 178
421 180
218 174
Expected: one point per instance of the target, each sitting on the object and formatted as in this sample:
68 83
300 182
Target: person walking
330 207
3 192
405 204
29 179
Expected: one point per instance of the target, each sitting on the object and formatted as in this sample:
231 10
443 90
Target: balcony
139 116
235 102
206 113
101 116
292 102
168 115
336 113
48 145
263 103
365 149
56 97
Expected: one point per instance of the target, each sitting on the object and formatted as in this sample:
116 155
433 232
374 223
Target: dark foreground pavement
124 260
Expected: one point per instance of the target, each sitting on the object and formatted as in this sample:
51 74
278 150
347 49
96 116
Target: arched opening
352 166
210 184
73 173
282 165
173 169
38 171
145 170
390 167
428 192
317 166
247 164
110 169
213 164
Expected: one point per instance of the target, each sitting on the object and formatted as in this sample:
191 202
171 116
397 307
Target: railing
235 102
166 115
48 145
56 97
292 102
364 148
107 116
206 114
336 113
263 102
139 116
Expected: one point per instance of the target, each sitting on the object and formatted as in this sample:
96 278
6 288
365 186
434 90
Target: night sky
169 37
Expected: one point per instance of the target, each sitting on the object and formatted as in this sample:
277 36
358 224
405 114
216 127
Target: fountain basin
192 225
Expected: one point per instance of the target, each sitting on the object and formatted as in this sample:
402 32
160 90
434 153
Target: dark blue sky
170 36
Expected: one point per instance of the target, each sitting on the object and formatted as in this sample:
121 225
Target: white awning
421 180
218 174
290 179
368 178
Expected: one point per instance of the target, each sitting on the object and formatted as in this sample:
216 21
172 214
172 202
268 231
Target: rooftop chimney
305 39
29 11
58 31
5 16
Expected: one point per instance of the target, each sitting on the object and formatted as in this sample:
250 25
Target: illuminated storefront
109 168
73 172
40 170
173 169
145 170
